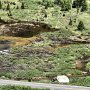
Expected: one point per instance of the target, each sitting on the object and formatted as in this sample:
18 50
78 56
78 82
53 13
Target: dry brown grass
18 41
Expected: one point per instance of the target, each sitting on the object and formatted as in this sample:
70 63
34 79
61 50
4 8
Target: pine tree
22 6
46 6
9 13
74 4
45 14
84 6
80 26
58 2
47 3
0 5
65 5
80 4
8 7
17 7
70 22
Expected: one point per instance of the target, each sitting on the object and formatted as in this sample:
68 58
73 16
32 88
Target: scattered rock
63 79
39 52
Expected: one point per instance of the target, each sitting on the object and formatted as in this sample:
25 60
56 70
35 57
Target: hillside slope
42 43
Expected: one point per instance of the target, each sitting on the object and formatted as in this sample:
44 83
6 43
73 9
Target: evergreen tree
80 4
45 14
8 7
22 6
74 4
58 2
65 5
9 13
84 6
46 6
0 5
17 7
70 1
70 22
47 3
80 26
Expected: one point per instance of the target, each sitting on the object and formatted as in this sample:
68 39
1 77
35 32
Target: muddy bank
24 28
69 40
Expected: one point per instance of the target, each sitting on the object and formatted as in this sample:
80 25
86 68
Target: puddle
4 46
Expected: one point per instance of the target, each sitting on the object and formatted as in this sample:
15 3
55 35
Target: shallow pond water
4 46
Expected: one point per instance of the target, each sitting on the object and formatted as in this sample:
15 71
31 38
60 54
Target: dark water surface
4 44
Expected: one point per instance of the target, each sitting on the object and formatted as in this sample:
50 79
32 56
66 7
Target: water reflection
4 46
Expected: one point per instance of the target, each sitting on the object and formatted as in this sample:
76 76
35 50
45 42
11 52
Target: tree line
8 6
66 5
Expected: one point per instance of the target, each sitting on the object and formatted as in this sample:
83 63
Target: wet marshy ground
4 45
